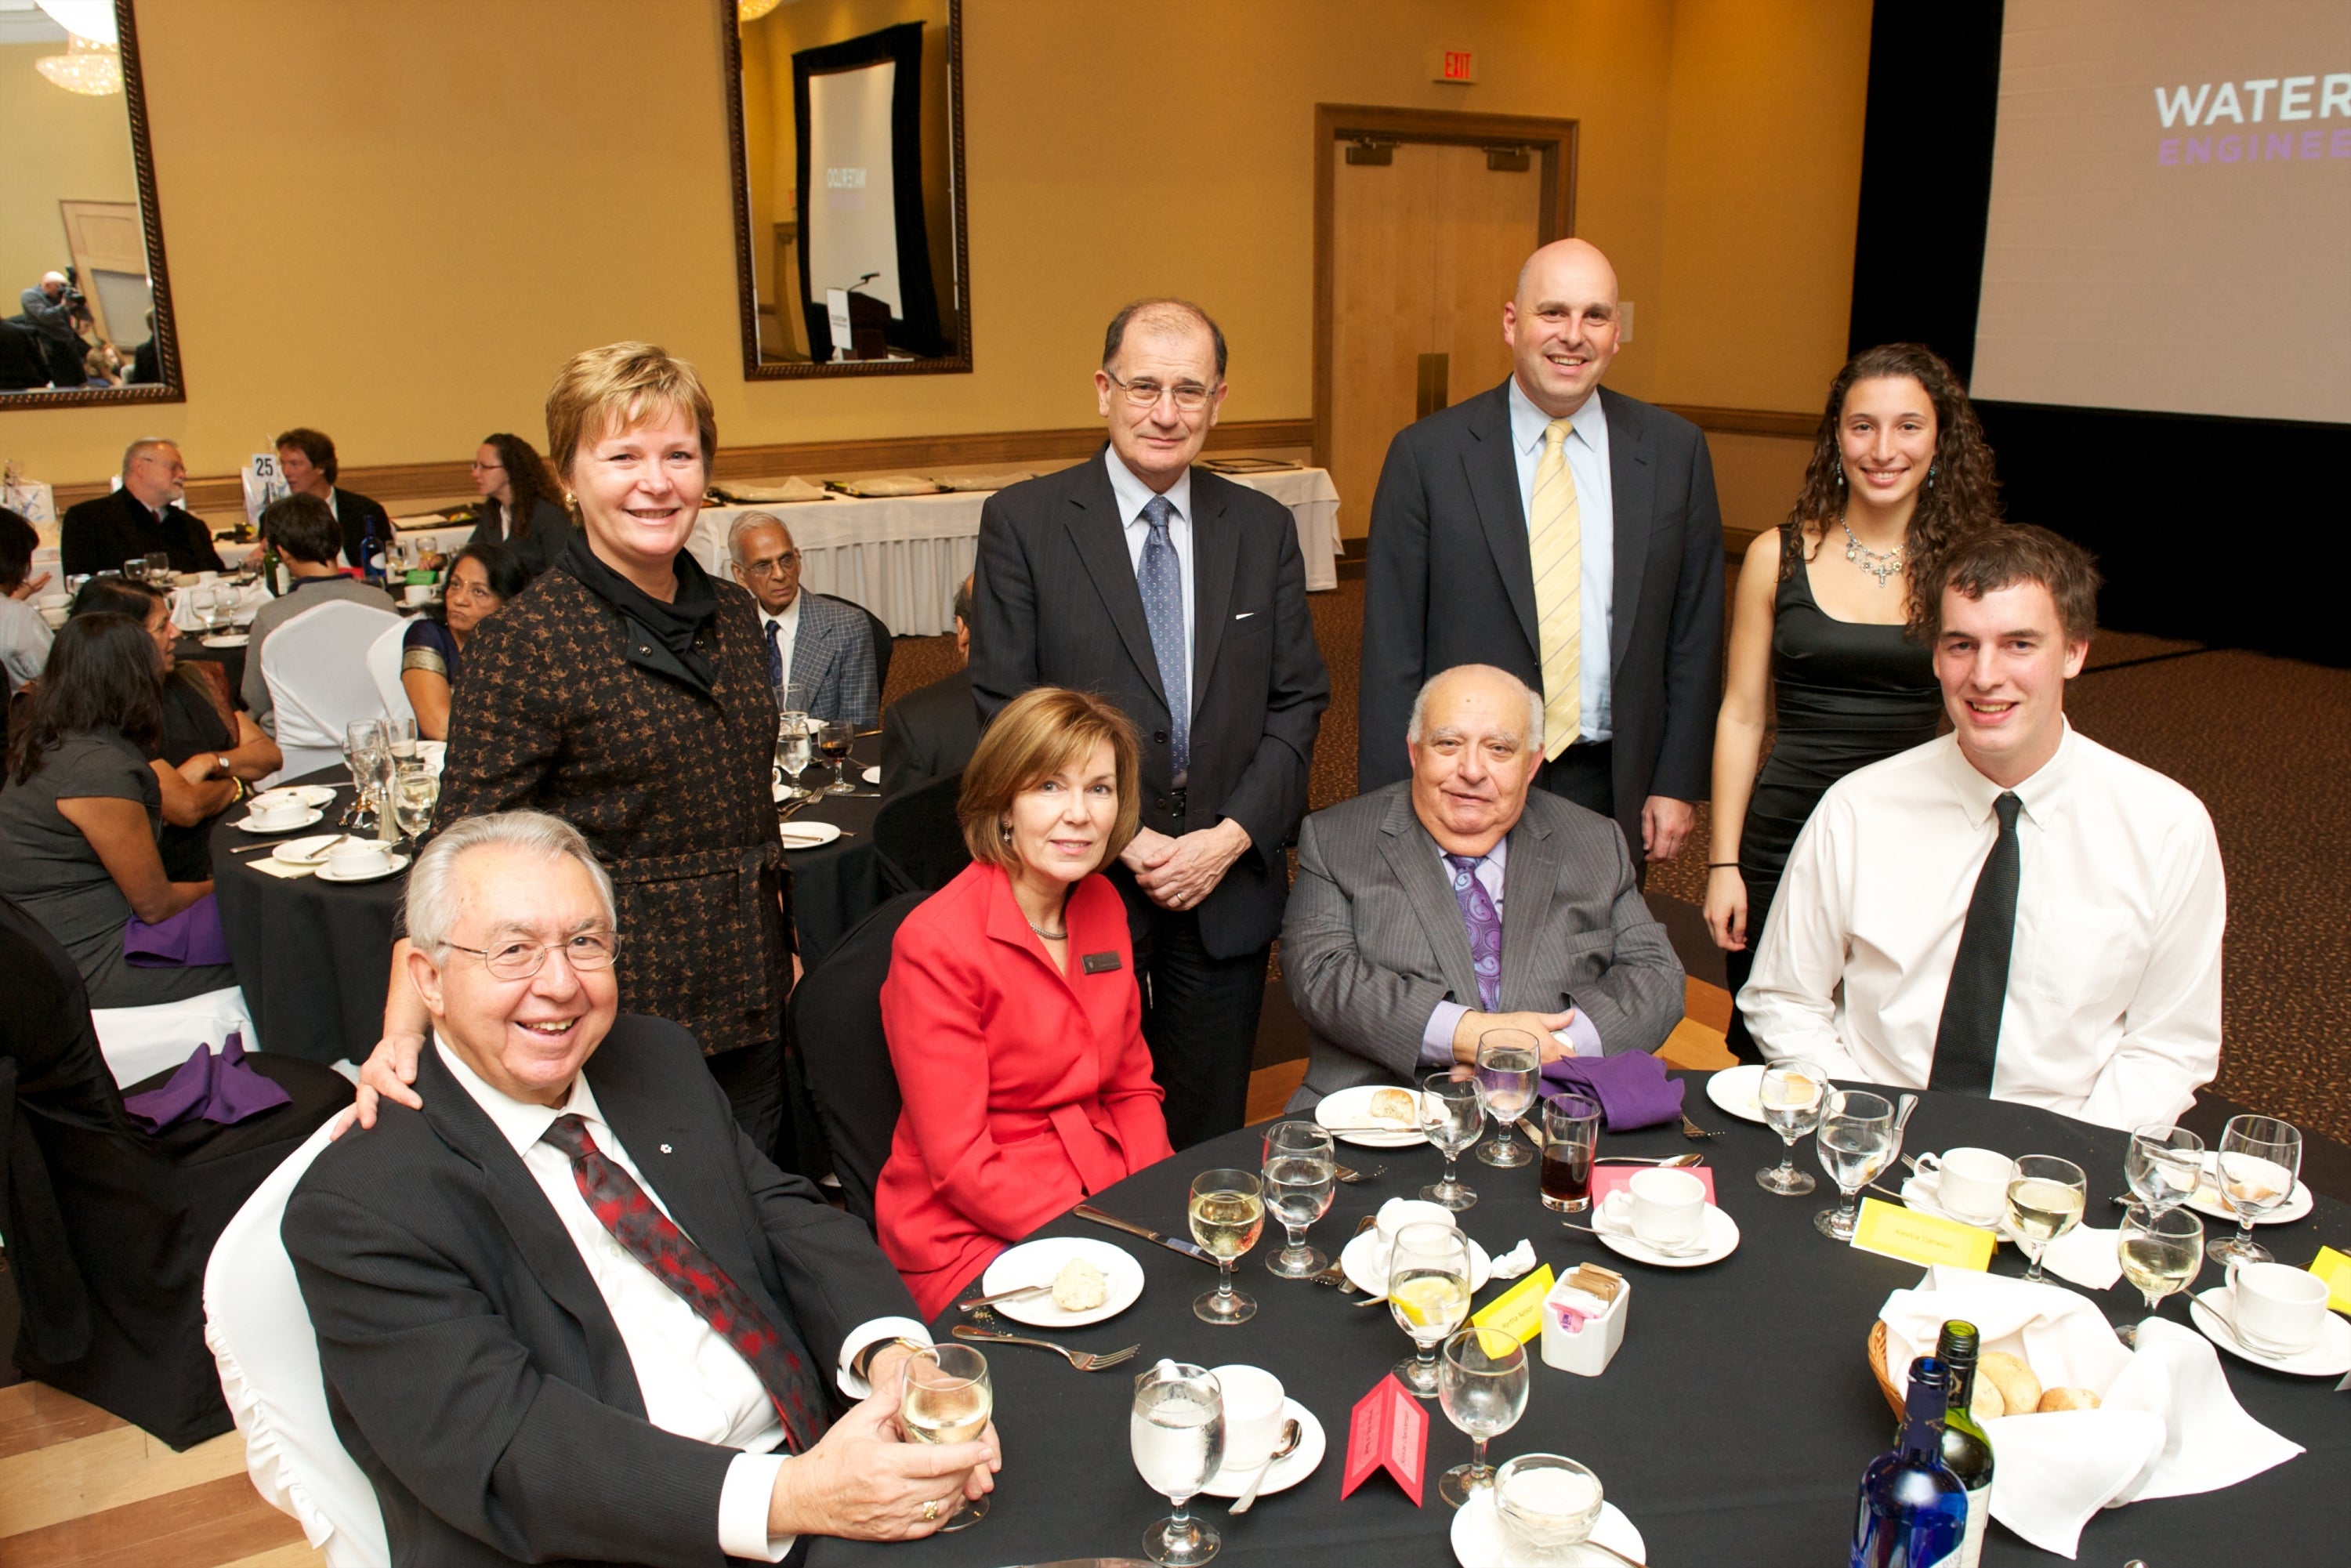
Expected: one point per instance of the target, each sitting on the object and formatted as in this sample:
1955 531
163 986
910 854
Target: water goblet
416 791
134 569
2046 1196
1793 1092
2160 1250
364 752
795 747
1228 1214
400 737
946 1397
217 602
158 567
2260 1158
1856 1142
2163 1165
1177 1431
1300 1177
1482 1385
1428 1292
1509 1061
834 740
1452 1117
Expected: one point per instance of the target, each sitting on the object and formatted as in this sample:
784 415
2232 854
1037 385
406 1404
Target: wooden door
110 252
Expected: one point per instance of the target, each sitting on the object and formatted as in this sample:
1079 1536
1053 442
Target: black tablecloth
835 885
1732 1427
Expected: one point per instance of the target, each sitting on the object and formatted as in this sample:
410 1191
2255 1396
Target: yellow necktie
1555 544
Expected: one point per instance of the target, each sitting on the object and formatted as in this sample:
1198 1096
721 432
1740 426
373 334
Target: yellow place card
1519 1309
1894 1231
2334 1269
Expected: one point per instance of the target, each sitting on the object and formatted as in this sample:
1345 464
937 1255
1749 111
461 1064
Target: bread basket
1894 1395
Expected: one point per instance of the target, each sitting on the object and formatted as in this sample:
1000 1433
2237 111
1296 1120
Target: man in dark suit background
591 1321
933 730
1571 536
142 517
1181 596
307 459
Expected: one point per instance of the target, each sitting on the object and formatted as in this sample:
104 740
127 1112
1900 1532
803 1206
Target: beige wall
400 231
55 146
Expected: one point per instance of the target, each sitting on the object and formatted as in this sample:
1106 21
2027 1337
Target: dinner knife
1189 1249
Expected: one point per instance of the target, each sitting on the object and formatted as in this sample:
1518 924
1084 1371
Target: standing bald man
1571 536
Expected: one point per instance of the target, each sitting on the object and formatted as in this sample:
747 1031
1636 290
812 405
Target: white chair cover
317 668
260 1335
139 1042
384 668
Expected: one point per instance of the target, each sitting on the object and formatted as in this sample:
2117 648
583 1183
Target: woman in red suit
1011 1009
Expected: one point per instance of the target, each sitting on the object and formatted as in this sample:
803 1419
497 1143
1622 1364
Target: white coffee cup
1972 1184
2275 1308
276 810
1663 1208
1253 1399
1398 1212
420 593
358 857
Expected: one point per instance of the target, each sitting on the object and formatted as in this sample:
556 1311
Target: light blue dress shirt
1132 496
1436 1039
1587 460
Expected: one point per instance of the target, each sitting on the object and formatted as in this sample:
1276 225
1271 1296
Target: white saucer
399 864
1739 1091
310 852
1036 1264
228 640
1722 1241
1355 1263
308 794
2330 1357
1288 1470
809 835
1477 1537
873 776
2208 1201
307 819
1352 1108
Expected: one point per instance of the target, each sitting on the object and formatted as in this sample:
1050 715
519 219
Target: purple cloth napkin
214 1086
190 939
1633 1089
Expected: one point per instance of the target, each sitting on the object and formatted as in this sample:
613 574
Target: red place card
1389 1431
1606 1179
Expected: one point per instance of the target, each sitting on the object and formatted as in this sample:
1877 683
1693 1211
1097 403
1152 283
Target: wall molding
1748 420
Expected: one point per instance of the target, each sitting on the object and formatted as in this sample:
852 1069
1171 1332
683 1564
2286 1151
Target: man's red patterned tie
622 1207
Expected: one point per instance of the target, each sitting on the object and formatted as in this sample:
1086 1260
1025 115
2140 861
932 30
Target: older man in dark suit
1571 536
566 1310
1181 596
932 731
1429 912
140 517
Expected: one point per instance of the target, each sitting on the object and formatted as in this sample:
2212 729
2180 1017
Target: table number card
2333 1268
1519 1309
1388 1431
1893 1231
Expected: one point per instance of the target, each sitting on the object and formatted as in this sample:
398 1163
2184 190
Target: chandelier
94 70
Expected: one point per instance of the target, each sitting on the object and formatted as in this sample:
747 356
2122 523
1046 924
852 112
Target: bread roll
1395 1106
1984 1402
2067 1399
1080 1287
2019 1391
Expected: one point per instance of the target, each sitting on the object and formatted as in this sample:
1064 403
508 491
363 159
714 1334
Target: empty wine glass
2163 1165
416 791
364 753
834 739
2161 1249
1792 1094
2259 1159
1482 1385
947 1397
1856 1141
1453 1118
1428 1292
795 747
217 600
400 737
1301 1177
1177 1431
2045 1195
1509 1061
1228 1215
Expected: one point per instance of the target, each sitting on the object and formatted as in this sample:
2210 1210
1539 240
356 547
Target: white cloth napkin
269 865
1517 1260
2168 1427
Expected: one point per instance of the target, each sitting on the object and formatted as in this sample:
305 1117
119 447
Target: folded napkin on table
270 866
214 1087
188 940
1633 1089
2167 1424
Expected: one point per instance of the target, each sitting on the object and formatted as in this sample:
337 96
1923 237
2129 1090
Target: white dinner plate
1357 1261
327 873
228 640
1477 1537
1722 1241
2330 1357
1352 1108
809 835
1739 1091
1286 1471
309 852
307 819
873 775
1036 1264
2209 1202
308 794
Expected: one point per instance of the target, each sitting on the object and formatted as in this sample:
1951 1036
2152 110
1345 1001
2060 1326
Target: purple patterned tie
1484 924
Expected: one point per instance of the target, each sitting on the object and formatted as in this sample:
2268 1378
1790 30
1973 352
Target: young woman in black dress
1818 637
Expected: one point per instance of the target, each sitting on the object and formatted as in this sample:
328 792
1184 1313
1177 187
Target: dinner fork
1349 1177
1692 1129
1083 1360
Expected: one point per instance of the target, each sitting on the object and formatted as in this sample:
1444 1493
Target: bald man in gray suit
1430 912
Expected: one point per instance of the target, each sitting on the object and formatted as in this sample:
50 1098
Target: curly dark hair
532 479
1961 493
102 673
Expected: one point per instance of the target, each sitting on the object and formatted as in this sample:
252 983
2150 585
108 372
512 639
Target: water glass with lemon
1428 1291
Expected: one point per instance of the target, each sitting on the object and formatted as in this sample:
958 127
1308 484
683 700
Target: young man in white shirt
2012 908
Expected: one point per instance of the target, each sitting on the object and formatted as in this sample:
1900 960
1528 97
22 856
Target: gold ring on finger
930 1511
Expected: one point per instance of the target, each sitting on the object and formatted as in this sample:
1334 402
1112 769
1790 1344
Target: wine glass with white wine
2162 1250
946 1399
1509 1062
2045 1195
1428 1291
1228 1214
1177 1431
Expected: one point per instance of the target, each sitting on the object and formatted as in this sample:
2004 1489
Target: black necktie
1968 1039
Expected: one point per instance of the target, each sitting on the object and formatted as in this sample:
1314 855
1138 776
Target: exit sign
1459 65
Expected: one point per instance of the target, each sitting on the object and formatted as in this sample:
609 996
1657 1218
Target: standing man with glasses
819 650
1181 596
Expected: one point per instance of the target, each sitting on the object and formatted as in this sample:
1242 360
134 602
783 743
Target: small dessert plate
1721 1239
309 818
329 873
1359 1260
1477 1537
1036 1264
1352 1108
809 835
1739 1089
2330 1357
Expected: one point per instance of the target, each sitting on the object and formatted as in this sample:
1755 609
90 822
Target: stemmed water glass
1301 1177
2259 1159
1228 1214
1482 1385
158 567
1509 1061
1792 1094
2045 1195
365 753
1177 1431
2160 1250
1856 1141
794 748
1428 1292
416 791
1452 1116
2163 1165
834 739
946 1397
217 600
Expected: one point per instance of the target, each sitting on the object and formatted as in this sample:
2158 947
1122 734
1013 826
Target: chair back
833 1023
260 1336
917 838
315 666
879 630
384 668
140 1042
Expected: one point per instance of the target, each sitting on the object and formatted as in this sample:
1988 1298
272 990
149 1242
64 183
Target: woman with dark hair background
481 579
522 503
81 813
24 635
1899 472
